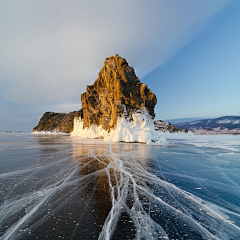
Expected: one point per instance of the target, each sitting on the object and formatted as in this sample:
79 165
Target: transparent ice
56 186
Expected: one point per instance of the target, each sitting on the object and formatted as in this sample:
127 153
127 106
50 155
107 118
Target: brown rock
116 92
59 122
166 126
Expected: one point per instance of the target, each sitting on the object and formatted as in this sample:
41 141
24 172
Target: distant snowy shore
222 125
217 131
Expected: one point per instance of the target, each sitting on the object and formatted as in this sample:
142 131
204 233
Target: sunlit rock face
116 92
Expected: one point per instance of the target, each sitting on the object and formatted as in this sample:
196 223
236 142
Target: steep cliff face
116 92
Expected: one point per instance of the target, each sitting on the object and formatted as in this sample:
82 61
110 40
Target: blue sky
203 79
188 53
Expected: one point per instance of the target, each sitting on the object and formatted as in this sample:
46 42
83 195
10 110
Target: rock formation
59 122
116 92
167 126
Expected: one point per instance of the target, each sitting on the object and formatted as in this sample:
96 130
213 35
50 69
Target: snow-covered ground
217 130
221 125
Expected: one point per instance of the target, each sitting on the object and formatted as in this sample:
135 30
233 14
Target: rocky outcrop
56 122
116 92
167 126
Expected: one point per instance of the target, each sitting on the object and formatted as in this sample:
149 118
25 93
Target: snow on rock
140 128
92 132
195 122
236 122
224 121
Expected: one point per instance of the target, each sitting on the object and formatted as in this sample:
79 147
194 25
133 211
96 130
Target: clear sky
203 78
188 52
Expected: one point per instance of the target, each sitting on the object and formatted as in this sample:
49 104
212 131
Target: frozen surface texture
55 187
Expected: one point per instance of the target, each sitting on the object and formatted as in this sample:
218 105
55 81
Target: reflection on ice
87 190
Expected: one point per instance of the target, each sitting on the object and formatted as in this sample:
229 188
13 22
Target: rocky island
117 92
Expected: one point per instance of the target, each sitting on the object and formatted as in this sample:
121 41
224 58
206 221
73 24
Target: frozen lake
60 187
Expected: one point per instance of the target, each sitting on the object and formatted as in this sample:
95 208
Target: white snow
140 129
195 122
224 121
236 121
49 132
216 131
93 132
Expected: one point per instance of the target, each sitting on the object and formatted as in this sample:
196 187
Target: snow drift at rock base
140 128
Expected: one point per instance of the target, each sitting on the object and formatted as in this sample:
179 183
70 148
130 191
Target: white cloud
50 50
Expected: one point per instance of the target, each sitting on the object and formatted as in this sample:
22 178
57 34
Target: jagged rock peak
116 92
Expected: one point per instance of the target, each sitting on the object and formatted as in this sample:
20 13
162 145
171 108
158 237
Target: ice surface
225 142
90 189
